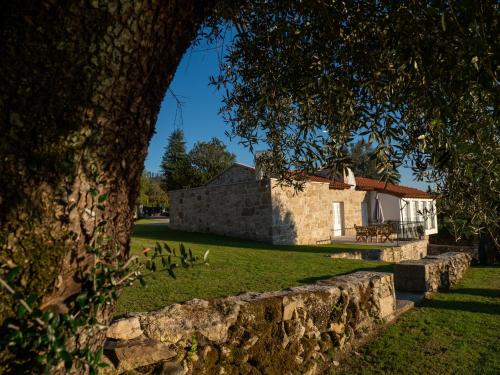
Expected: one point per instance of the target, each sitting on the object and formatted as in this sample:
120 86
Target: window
433 214
427 217
415 211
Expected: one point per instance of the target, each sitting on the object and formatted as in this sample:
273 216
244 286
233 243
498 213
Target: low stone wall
435 249
241 210
284 332
407 251
413 250
431 274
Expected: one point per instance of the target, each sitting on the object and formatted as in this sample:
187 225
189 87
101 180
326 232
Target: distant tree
175 165
363 162
208 159
152 192
143 198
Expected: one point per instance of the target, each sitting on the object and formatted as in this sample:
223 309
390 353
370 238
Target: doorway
338 218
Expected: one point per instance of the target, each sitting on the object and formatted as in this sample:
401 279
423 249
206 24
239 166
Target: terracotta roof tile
363 183
338 185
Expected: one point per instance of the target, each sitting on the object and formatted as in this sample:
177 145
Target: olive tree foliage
418 79
362 162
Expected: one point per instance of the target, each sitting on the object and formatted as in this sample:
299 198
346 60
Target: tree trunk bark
80 88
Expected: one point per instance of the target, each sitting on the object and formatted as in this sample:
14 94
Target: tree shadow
162 232
474 307
492 293
382 268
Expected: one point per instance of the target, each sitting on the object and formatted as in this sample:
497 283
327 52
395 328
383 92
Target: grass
236 266
453 333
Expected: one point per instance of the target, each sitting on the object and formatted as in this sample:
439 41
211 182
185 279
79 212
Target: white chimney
349 178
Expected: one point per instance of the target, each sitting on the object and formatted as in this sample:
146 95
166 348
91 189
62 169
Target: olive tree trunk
81 84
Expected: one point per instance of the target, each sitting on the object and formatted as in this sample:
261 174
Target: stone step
407 301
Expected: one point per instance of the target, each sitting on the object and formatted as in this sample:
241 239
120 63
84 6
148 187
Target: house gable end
234 174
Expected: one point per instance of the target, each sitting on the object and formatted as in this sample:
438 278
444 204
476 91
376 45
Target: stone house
241 203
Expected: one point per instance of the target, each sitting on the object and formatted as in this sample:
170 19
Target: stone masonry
413 250
431 274
241 209
435 249
235 204
284 332
233 175
305 217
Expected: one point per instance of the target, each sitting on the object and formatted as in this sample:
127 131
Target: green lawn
235 266
453 333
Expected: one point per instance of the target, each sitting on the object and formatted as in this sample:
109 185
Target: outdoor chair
361 233
373 232
385 233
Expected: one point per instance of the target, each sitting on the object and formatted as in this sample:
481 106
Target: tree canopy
208 159
362 162
205 160
152 192
420 80
175 165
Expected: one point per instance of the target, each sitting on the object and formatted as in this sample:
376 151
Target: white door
337 218
364 214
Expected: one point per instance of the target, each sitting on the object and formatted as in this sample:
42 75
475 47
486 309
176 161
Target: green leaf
167 248
12 274
142 281
21 311
171 273
93 191
68 360
103 197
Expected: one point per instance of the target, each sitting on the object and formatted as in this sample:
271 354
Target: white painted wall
390 206
397 209
426 212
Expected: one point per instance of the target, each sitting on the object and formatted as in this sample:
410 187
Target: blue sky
200 119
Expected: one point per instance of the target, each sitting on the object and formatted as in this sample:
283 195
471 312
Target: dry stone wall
407 251
306 217
431 274
284 332
473 251
234 174
413 250
240 210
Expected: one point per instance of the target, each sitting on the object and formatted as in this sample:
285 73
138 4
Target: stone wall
240 210
473 251
284 332
413 250
306 217
406 251
234 174
431 274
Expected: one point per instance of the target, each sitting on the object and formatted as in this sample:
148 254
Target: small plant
194 348
45 341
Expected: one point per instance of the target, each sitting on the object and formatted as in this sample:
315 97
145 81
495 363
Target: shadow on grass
382 268
473 307
493 293
161 232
